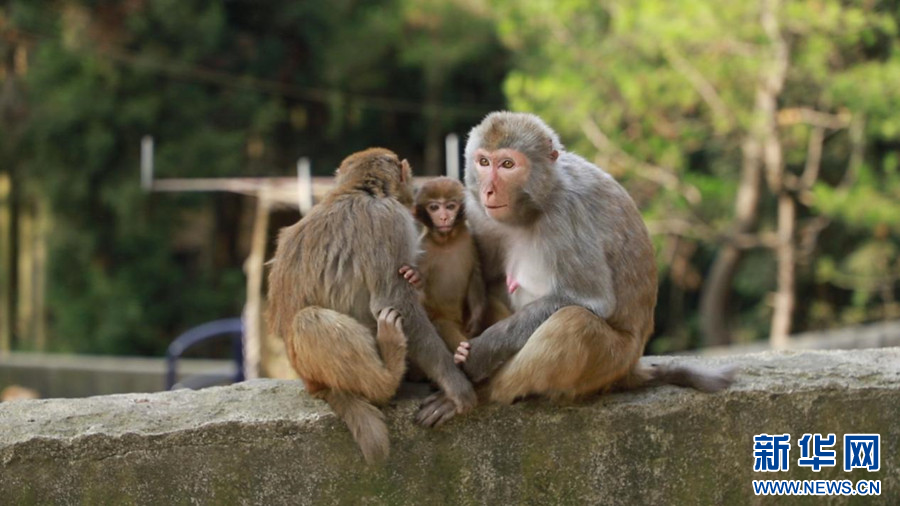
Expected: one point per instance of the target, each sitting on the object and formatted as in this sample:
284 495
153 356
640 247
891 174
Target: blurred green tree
757 136
226 89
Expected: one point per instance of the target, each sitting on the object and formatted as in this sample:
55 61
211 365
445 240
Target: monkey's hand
476 359
462 353
411 274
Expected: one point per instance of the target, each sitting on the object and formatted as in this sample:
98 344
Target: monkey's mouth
444 228
497 207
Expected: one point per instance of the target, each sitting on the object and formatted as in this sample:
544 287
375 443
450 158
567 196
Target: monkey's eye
483 161
451 206
507 164
433 207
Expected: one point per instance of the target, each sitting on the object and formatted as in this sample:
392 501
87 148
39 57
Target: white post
254 269
451 144
304 185
147 162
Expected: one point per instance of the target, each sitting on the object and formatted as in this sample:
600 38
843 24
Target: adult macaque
454 289
579 267
346 316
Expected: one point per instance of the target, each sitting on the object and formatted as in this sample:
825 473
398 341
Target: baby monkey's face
443 214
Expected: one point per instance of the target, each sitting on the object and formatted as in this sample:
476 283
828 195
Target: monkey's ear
405 171
554 154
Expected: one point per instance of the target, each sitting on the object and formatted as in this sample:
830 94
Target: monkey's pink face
443 214
501 176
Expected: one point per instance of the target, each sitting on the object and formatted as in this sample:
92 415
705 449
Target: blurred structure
17 393
264 355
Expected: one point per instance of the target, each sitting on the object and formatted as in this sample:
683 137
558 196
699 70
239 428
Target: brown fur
453 286
440 188
345 315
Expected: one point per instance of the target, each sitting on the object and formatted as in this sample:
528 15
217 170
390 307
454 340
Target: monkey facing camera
569 246
455 298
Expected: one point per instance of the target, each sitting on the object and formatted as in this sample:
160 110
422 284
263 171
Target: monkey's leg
573 353
336 351
451 332
496 310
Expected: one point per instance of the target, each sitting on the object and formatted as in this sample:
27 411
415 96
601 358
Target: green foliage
115 285
672 85
226 89
864 206
662 93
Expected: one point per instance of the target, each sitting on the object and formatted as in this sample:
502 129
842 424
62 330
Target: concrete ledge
267 442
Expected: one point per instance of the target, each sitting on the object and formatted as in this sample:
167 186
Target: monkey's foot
435 410
392 342
390 329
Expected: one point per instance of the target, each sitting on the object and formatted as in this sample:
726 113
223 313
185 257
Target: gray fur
586 222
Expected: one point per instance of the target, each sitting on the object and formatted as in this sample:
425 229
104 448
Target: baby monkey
449 267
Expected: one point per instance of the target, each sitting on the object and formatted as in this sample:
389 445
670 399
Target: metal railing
205 332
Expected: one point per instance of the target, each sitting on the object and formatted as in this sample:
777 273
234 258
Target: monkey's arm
425 347
427 350
487 352
504 339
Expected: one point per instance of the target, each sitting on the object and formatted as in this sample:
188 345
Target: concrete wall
267 442
84 375
871 335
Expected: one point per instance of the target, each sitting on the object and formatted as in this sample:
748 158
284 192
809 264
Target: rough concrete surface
267 442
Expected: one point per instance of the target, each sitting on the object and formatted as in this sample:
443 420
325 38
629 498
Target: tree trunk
24 298
7 263
434 128
785 250
42 233
716 288
254 268
434 134
761 149
786 255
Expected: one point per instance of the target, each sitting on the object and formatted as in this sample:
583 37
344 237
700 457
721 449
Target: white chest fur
528 268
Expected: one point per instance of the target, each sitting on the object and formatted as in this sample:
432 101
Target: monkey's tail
365 421
704 380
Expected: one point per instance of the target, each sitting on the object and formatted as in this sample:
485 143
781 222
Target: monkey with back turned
348 320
